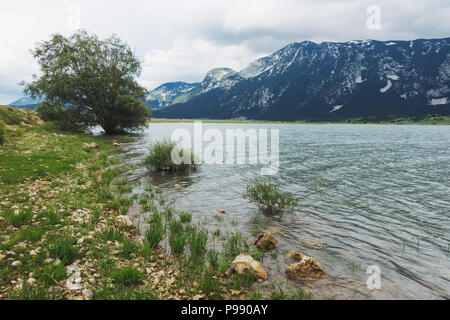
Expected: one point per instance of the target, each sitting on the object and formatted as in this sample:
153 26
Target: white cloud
181 40
189 59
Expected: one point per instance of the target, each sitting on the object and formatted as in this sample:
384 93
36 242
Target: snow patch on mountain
392 76
436 102
387 87
336 108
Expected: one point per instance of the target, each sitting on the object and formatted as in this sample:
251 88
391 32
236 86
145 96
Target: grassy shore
60 198
429 120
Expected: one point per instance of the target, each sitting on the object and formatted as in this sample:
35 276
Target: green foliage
243 280
16 116
268 198
209 285
197 244
2 131
94 79
298 294
50 274
128 248
112 234
64 249
175 226
53 217
160 158
155 233
16 167
20 218
127 276
68 119
33 293
213 258
177 242
185 217
31 234
108 292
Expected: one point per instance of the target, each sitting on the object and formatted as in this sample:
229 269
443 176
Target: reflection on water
369 195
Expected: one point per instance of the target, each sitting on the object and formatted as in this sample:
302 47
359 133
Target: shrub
2 131
268 198
127 276
160 158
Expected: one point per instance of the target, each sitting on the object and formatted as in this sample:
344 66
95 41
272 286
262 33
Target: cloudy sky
182 40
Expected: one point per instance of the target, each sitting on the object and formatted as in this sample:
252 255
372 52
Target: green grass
64 249
53 217
20 218
2 132
16 116
34 158
31 234
127 276
128 248
112 234
51 274
108 292
197 244
177 242
156 232
185 217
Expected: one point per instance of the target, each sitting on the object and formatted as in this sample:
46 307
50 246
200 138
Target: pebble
31 281
16 263
87 294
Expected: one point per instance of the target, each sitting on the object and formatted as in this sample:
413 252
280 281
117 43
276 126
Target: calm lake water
369 195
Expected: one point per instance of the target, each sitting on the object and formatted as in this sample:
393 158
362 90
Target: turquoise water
369 195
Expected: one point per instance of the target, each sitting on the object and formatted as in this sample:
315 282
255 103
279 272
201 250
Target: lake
368 195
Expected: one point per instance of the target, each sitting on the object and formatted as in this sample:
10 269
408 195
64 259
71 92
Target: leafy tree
93 78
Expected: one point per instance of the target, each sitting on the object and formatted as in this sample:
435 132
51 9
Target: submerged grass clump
156 232
185 217
268 198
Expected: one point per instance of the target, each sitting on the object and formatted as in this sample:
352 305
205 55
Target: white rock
124 221
87 294
31 281
16 263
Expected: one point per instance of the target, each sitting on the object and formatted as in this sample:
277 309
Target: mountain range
322 81
317 81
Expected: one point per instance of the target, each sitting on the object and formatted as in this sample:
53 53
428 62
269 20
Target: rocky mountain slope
327 81
167 93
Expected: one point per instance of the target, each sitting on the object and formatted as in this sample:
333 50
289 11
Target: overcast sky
182 40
